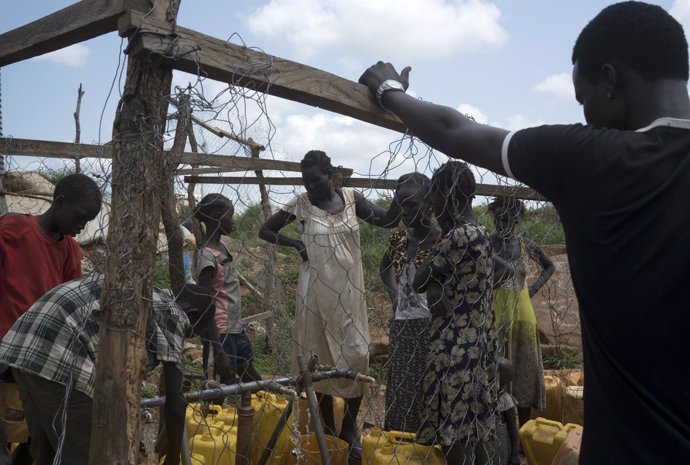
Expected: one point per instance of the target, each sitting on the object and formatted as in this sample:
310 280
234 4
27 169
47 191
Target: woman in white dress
331 315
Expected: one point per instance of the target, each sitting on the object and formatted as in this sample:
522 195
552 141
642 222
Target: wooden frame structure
156 46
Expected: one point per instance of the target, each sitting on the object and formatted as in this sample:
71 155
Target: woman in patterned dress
331 314
460 389
409 328
516 324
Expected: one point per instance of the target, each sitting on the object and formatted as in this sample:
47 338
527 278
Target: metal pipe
274 385
306 383
244 428
184 447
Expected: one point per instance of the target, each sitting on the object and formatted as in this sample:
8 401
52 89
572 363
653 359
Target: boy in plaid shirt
53 348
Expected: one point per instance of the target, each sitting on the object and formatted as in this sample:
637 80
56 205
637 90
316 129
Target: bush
562 359
161 274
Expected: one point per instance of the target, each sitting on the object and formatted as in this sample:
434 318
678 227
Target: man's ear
612 75
59 201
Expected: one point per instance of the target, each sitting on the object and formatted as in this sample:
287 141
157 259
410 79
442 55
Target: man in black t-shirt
621 185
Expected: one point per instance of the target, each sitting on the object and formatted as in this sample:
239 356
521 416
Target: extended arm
547 267
502 271
388 277
174 412
425 281
270 232
378 216
441 127
422 276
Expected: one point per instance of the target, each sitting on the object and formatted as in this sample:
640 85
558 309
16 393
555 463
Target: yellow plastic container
554 391
194 419
573 405
197 424
338 414
264 423
398 446
407 454
217 448
569 452
575 378
372 441
309 446
541 439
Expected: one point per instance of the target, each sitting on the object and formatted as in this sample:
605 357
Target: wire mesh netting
435 305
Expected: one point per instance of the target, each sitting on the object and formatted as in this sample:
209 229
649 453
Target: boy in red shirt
36 254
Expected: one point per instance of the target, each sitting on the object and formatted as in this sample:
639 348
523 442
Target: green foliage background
541 224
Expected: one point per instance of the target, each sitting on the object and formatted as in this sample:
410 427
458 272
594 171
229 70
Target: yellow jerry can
397 446
553 387
573 405
217 447
541 438
265 421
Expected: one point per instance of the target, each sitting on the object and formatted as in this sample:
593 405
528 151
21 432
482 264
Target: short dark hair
640 36
505 370
205 208
418 180
75 188
454 179
511 205
318 158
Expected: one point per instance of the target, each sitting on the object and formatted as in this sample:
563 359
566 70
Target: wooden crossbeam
488 190
52 149
217 59
76 23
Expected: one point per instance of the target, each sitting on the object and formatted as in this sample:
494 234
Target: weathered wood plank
138 168
240 66
51 149
258 317
365 183
76 23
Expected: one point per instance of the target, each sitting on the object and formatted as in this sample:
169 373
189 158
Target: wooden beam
217 59
51 149
258 317
488 190
76 23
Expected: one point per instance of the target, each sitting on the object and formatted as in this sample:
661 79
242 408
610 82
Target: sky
505 62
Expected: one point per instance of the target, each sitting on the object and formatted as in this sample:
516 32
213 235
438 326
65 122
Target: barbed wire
274 279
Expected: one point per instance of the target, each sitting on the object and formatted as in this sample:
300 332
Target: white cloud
681 11
476 113
519 121
395 29
348 142
558 85
75 55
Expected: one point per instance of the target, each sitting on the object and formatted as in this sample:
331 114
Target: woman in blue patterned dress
459 386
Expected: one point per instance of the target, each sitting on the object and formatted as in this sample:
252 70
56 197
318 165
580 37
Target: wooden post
169 210
194 223
269 249
3 201
137 166
77 136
